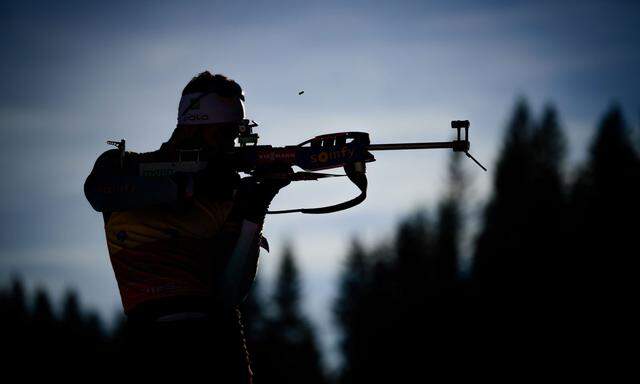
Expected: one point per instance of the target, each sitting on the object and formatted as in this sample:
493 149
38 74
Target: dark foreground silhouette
553 274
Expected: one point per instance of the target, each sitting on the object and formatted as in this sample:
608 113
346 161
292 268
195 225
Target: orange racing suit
165 248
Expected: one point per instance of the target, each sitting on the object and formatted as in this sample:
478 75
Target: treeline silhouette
31 326
553 269
281 340
554 264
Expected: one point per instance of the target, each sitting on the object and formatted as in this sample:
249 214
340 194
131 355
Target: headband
209 108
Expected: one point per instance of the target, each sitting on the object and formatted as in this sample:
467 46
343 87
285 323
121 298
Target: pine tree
16 310
449 229
350 311
502 248
549 265
44 331
416 262
72 331
287 292
254 322
605 206
253 312
402 296
14 317
71 315
549 144
293 352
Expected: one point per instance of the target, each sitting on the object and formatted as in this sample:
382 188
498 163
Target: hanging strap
356 173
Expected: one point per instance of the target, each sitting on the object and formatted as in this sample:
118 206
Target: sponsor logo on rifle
323 157
277 155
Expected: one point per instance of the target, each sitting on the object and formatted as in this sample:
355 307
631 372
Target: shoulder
109 155
112 160
108 159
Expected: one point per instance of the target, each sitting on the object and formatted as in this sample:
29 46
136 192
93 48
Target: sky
78 73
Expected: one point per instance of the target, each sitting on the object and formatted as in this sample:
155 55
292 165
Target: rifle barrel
398 146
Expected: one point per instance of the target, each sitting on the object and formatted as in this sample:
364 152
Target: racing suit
171 240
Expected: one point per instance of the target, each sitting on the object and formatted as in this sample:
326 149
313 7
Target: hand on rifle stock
256 192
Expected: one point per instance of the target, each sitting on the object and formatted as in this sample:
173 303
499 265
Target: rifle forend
459 145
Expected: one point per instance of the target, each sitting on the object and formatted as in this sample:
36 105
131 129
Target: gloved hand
255 193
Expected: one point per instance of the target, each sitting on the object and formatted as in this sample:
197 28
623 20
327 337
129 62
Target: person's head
211 109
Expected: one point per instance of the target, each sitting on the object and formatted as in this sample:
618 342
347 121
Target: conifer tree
293 353
549 265
253 311
605 207
287 293
449 229
16 311
71 322
351 314
254 322
416 262
44 332
14 317
71 315
502 248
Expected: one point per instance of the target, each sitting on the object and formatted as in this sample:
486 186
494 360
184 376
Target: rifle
348 150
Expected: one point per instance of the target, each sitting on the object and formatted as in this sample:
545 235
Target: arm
241 266
244 226
111 187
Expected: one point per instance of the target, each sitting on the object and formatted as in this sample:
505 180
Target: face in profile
219 136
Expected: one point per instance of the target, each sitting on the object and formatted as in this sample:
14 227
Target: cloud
79 73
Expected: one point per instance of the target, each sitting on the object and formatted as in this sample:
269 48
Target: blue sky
78 73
